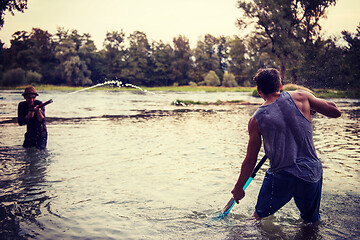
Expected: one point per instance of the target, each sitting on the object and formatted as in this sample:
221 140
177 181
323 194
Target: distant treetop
11 5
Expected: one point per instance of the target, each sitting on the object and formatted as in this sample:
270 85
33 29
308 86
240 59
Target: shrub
13 77
293 87
255 93
229 80
211 79
202 83
192 84
246 83
33 78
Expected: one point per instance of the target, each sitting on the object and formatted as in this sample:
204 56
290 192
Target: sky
158 19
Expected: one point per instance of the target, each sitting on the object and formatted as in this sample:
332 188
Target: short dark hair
268 80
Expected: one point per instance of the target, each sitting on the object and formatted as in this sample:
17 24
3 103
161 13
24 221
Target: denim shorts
279 188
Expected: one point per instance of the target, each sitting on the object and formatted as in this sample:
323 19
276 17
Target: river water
129 165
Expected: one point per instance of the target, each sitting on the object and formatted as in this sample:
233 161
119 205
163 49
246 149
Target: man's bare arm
249 162
324 107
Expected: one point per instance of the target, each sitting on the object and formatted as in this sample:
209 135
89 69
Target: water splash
137 87
116 83
84 89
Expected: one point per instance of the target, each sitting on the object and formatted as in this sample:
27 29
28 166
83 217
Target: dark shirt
288 139
36 132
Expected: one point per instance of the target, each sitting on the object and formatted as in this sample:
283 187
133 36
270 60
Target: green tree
182 66
11 6
238 62
206 58
33 78
137 59
328 64
13 77
76 72
229 80
161 58
223 49
31 52
2 59
322 66
211 79
114 54
284 26
23 53
73 70
352 56
88 53
44 52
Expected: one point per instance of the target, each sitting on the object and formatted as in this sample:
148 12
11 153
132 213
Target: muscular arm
306 102
249 162
324 107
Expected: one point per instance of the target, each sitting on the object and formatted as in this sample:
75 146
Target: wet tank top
288 139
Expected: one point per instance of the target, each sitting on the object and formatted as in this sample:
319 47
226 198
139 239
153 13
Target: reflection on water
22 181
132 166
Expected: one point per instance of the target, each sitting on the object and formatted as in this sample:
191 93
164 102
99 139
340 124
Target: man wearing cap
33 116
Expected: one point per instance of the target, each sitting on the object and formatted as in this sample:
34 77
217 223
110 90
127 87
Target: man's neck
271 97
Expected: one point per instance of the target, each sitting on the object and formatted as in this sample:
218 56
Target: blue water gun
232 201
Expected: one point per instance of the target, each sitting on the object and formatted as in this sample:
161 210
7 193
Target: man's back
288 141
278 188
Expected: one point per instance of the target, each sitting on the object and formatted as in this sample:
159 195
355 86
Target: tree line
285 35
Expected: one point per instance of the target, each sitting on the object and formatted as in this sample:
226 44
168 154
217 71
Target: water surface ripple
125 165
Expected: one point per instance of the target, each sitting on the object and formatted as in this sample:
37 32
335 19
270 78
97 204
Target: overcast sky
158 19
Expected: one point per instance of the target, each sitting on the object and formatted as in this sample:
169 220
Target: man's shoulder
300 95
22 104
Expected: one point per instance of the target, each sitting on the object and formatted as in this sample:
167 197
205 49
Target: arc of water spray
84 89
112 82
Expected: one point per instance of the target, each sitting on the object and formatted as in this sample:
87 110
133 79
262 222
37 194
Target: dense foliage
286 35
11 6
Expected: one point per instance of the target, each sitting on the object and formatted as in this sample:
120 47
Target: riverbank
321 93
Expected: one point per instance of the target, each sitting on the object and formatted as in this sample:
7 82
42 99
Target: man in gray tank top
283 123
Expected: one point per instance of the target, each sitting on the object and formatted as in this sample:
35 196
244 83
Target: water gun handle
232 201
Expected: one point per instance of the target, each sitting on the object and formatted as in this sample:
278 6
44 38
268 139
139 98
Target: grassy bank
201 89
322 93
329 93
218 102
